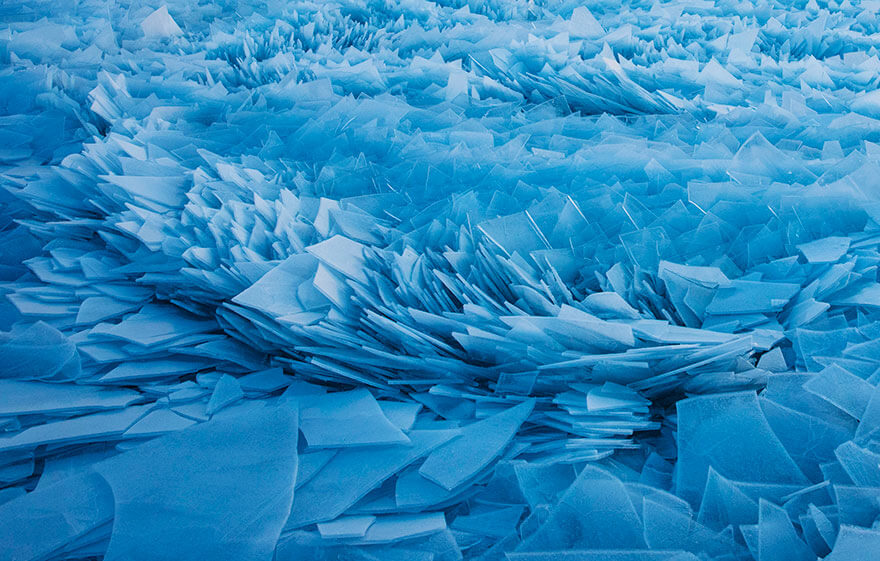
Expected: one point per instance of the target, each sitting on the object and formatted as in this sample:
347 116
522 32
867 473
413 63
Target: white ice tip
160 24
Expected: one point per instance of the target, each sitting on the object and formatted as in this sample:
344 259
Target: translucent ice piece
160 24
777 538
826 250
38 351
286 289
342 255
862 465
542 484
401 414
266 381
226 392
452 464
745 297
388 529
346 527
347 419
30 398
220 488
40 523
96 427
496 523
842 389
352 473
158 422
724 504
583 25
576 523
855 544
729 433
667 527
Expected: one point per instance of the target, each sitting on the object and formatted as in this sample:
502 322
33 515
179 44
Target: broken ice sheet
825 250
36 352
160 24
479 443
30 398
729 424
96 427
354 472
226 392
195 478
346 527
43 522
575 523
342 419
392 528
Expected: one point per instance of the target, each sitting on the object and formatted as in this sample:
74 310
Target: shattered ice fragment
346 527
347 419
160 24
226 392
194 478
479 443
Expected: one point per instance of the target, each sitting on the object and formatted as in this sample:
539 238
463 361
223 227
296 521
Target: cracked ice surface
413 280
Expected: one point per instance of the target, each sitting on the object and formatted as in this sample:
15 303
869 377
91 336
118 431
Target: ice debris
438 281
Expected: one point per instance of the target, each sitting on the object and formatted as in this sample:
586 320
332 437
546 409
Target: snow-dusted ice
406 280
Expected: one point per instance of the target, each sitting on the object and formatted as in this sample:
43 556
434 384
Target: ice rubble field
407 280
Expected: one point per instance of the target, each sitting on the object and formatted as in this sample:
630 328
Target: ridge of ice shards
439 280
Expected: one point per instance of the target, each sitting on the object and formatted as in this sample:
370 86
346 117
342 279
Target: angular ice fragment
576 523
583 25
729 433
38 351
610 305
452 464
867 103
825 250
158 422
286 289
342 255
495 522
542 484
219 489
777 538
265 381
134 371
670 528
842 389
861 465
723 504
31 398
160 24
96 309
773 360
746 297
347 419
97 427
40 524
388 529
346 527
855 544
352 473
226 392
401 414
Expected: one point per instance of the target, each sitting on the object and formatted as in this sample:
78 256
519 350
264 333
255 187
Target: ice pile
535 281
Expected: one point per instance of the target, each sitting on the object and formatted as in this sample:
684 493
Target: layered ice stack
516 280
